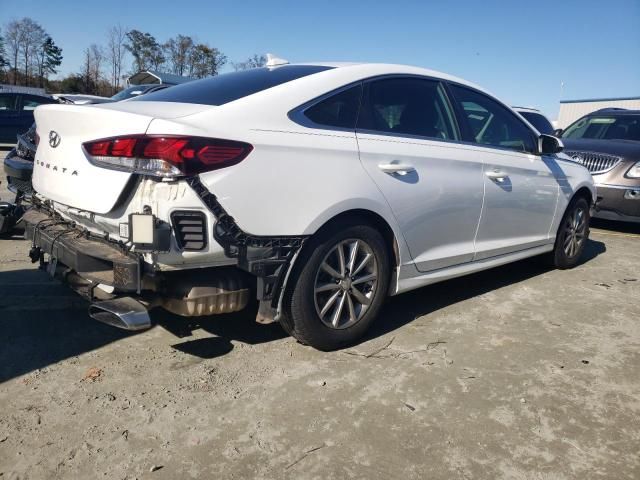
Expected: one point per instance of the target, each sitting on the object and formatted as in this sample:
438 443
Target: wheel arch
362 215
586 193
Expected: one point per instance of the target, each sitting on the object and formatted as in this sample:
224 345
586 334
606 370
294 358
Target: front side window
493 124
623 127
339 110
407 106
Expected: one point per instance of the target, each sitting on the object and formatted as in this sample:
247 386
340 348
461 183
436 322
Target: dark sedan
16 113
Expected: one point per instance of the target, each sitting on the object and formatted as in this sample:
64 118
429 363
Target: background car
607 142
16 113
537 119
80 98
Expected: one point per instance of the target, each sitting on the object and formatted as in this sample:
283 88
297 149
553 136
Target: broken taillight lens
165 155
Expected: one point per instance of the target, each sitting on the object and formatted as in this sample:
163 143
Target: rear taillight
165 155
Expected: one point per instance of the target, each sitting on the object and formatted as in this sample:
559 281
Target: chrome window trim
297 116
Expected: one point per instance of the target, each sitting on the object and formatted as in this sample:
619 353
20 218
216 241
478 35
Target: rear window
228 87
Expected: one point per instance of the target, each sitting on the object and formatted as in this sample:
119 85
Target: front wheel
573 234
339 287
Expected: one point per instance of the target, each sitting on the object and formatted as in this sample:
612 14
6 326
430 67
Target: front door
9 117
521 190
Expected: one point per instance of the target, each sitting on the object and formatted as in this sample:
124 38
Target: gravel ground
518 372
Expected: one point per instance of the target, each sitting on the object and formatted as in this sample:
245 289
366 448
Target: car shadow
615 226
43 322
403 309
238 326
34 334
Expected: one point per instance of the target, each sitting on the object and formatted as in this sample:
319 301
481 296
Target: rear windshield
130 92
228 87
623 127
539 121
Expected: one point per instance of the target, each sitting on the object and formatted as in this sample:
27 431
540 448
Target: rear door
9 117
408 141
521 190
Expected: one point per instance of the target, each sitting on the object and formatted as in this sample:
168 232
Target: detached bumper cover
93 259
618 202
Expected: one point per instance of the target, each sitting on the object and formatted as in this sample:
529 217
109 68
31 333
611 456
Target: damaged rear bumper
104 271
100 262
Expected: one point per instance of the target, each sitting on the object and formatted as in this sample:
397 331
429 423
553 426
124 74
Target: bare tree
97 58
255 61
116 37
33 36
92 69
13 37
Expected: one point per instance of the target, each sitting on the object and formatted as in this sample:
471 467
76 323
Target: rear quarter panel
293 182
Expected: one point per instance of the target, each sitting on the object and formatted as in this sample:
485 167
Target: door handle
397 168
497 175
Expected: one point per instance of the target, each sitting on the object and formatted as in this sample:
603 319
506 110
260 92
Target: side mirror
558 132
548 145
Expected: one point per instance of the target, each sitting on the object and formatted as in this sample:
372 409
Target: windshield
623 127
129 92
539 121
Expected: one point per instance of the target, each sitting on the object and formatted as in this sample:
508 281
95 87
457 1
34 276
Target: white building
571 110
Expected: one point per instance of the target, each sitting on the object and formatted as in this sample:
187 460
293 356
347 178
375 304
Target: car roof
615 111
364 70
26 93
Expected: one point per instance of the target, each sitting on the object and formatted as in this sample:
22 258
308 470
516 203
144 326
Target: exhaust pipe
124 312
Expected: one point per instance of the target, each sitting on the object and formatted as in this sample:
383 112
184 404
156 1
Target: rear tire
572 235
338 287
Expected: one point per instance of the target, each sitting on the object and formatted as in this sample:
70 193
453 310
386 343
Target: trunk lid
62 172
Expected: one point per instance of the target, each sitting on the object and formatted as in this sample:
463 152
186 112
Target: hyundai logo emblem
54 139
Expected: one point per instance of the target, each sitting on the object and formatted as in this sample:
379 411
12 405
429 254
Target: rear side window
339 110
407 106
493 124
228 87
30 103
8 103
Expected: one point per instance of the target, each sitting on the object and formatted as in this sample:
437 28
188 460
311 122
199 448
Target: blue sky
519 50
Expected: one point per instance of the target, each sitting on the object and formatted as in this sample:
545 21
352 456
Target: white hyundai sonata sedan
319 189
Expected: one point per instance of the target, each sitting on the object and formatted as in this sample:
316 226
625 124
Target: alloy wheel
345 283
575 230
